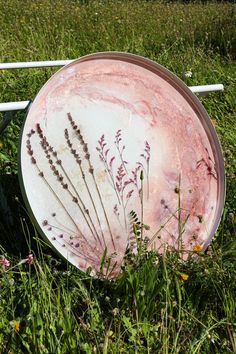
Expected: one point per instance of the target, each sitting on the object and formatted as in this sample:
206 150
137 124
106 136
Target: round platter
113 140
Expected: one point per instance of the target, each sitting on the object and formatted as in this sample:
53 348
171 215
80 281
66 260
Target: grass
158 304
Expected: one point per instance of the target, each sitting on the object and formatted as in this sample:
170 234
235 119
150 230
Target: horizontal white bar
15 106
34 64
206 88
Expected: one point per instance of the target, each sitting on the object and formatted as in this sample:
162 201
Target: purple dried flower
30 152
30 259
120 149
4 263
111 161
115 210
129 194
119 178
38 128
85 147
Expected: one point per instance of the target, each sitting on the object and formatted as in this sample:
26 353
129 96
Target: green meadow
158 303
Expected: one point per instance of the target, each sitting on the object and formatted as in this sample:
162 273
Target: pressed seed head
39 130
85 147
177 190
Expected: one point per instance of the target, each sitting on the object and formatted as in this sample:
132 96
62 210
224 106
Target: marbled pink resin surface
90 132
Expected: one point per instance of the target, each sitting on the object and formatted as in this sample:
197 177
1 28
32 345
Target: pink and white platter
114 140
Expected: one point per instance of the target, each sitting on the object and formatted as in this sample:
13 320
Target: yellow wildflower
184 276
197 248
17 326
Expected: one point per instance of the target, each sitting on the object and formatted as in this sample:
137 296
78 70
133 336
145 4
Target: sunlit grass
158 304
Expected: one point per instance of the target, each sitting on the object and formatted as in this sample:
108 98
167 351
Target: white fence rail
34 64
21 105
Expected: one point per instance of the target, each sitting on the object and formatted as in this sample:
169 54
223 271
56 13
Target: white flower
188 73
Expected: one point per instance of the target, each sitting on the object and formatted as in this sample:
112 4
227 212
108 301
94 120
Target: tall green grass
158 304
